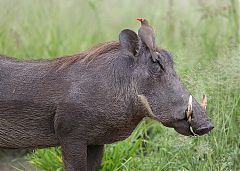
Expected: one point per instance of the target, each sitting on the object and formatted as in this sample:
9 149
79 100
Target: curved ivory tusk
204 102
189 109
145 103
191 129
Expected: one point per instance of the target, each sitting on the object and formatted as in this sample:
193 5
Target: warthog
97 97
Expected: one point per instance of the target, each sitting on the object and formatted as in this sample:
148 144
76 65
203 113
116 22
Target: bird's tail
154 56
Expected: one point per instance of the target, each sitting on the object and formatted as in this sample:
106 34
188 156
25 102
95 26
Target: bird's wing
148 37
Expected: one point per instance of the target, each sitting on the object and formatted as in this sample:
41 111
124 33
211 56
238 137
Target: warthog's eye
156 66
160 62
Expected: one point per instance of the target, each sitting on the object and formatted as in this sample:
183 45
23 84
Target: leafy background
202 35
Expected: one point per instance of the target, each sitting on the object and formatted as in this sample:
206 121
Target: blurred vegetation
203 37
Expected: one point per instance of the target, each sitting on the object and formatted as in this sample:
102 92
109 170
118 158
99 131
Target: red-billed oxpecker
147 35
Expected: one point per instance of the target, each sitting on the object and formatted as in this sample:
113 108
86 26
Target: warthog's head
160 93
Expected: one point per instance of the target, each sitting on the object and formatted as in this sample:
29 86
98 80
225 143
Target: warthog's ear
129 41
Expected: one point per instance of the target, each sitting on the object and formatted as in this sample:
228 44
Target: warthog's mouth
182 126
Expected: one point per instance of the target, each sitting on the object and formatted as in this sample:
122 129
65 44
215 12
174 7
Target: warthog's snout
197 118
204 129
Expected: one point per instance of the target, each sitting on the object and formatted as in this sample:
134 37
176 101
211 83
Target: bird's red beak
140 19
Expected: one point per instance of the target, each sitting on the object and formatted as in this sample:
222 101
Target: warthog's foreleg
94 157
74 155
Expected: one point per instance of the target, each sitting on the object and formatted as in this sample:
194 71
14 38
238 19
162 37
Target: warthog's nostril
204 129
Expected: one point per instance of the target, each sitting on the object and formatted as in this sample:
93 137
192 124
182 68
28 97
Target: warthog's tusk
189 113
204 102
189 109
191 129
145 103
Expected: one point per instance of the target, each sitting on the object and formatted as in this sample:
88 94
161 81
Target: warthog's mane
61 63
93 53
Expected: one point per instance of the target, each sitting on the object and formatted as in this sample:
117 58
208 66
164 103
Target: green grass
203 37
